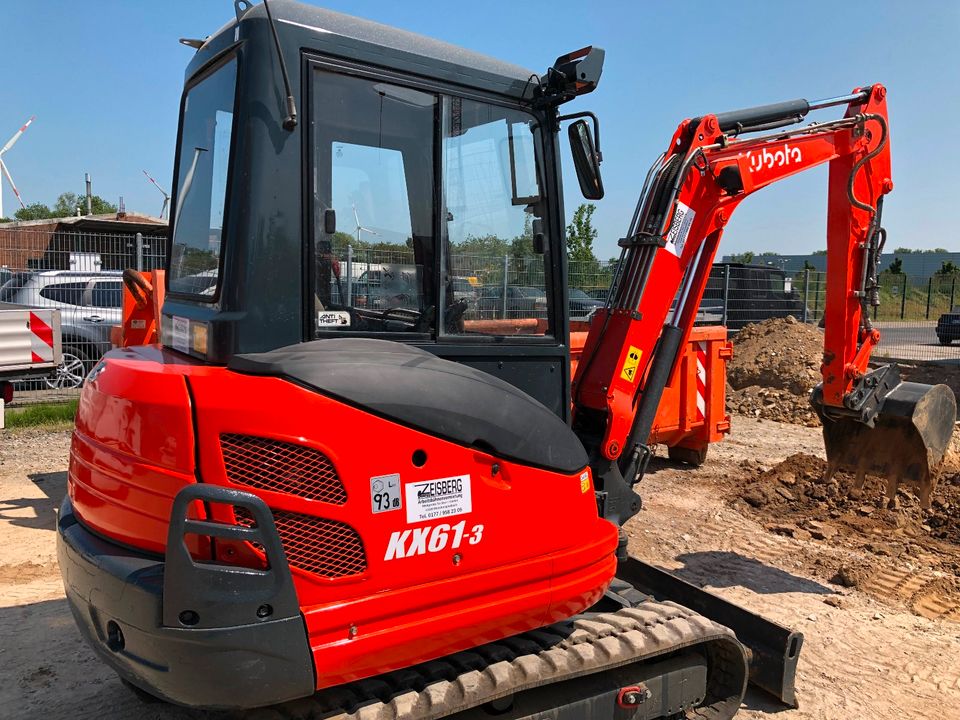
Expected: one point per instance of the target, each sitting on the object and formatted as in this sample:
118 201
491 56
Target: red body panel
513 569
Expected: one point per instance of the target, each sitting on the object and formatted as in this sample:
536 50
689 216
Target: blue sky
104 79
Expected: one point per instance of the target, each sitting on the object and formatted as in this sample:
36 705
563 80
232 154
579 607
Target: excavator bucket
910 435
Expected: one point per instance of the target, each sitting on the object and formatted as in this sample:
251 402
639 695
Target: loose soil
775 364
907 553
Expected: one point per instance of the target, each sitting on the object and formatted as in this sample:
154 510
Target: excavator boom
689 196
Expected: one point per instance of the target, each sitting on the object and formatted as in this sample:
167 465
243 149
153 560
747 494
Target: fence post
903 297
929 293
953 288
726 293
806 292
349 301
506 271
816 297
139 242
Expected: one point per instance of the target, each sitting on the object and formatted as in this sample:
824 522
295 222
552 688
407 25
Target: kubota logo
768 159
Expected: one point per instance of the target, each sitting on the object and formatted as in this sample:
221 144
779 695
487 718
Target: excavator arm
688 198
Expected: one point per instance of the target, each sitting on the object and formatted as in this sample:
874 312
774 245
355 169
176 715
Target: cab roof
311 28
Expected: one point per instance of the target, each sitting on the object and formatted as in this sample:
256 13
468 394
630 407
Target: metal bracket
642 239
240 7
869 392
207 595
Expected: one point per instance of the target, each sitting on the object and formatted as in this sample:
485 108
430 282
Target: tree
903 251
34 211
947 268
581 234
5 220
68 202
807 265
896 267
819 252
745 257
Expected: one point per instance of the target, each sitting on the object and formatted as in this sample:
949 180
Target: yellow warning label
629 370
584 481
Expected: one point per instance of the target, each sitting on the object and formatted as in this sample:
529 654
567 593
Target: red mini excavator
355 468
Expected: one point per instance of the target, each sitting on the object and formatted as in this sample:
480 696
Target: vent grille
281 467
327 548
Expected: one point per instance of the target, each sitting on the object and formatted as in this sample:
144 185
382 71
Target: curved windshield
203 168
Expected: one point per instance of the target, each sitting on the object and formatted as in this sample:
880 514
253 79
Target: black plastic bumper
237 639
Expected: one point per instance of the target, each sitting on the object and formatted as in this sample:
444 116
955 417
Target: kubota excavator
333 479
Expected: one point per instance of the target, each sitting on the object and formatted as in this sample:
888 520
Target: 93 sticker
385 493
431 539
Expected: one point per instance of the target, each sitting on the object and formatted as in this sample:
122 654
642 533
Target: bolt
264 611
887 185
880 92
613 449
457 558
722 217
353 631
711 125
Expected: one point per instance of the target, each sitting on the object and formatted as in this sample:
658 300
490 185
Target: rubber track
586 644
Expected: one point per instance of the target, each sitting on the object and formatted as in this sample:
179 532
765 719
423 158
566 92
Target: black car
581 304
751 293
948 326
521 302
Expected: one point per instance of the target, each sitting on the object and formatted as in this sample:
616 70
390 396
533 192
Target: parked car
89 303
581 304
948 326
521 302
754 293
466 288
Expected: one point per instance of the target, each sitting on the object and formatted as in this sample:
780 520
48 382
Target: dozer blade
911 433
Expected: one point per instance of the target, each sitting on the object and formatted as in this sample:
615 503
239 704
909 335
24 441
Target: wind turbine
361 228
3 167
166 196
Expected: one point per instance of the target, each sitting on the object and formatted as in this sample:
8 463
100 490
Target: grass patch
47 415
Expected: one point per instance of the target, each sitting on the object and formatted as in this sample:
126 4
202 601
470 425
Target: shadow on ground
50 673
729 569
44 515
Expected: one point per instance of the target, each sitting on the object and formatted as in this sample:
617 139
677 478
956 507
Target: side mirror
586 160
330 221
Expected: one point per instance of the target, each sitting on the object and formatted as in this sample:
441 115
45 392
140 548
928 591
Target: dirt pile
775 364
793 499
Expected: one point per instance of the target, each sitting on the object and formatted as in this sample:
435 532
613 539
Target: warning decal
434 499
679 228
629 370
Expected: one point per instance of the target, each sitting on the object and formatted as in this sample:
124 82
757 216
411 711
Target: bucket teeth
910 436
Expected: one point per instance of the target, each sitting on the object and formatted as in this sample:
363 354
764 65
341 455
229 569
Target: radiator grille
281 467
324 547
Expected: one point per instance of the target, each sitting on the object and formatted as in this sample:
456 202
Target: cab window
492 192
374 169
